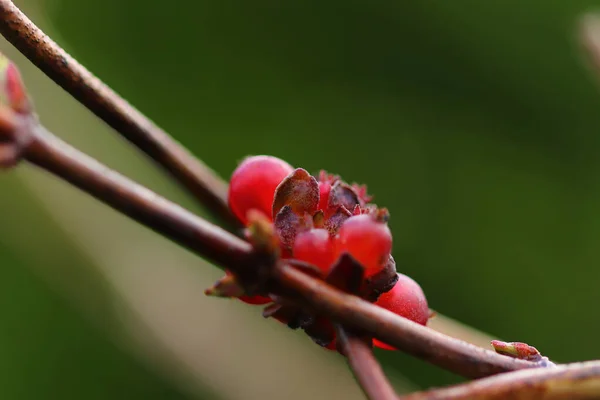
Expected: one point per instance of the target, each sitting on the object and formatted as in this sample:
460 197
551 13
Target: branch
576 381
444 351
589 37
63 69
209 241
365 367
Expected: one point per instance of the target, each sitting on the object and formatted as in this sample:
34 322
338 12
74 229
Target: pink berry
253 184
315 247
366 239
407 300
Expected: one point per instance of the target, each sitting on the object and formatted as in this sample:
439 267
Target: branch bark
199 179
578 381
367 371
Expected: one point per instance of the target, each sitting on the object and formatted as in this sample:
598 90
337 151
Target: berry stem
64 70
364 365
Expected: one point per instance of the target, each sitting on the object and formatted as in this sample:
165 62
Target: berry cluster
323 223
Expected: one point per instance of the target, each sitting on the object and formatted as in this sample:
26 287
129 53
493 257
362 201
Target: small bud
261 233
319 219
227 286
12 89
519 350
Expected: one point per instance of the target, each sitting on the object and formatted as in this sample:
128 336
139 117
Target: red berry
315 247
253 184
366 239
407 300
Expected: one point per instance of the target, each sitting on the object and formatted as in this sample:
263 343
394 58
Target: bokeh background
476 123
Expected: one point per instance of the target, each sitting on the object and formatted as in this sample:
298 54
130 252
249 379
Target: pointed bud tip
12 89
518 350
227 286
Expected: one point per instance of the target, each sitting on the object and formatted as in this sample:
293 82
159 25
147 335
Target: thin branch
365 367
444 351
578 381
137 202
209 241
63 69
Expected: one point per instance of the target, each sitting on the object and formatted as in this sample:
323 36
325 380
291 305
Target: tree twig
135 201
365 367
200 180
578 381
209 241
444 351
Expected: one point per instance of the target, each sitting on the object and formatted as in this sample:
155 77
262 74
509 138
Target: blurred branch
137 202
589 30
577 381
48 152
199 179
358 350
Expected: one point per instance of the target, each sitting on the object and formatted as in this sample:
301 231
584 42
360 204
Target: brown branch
451 354
365 367
578 381
63 69
225 249
167 218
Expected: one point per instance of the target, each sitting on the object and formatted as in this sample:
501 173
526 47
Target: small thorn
227 286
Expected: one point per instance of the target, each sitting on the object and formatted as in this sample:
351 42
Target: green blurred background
476 123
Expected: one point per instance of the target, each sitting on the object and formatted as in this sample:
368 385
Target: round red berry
407 300
253 184
366 239
315 247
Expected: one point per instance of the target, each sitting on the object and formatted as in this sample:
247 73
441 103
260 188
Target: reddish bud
12 88
366 239
253 185
518 350
261 233
315 247
407 300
